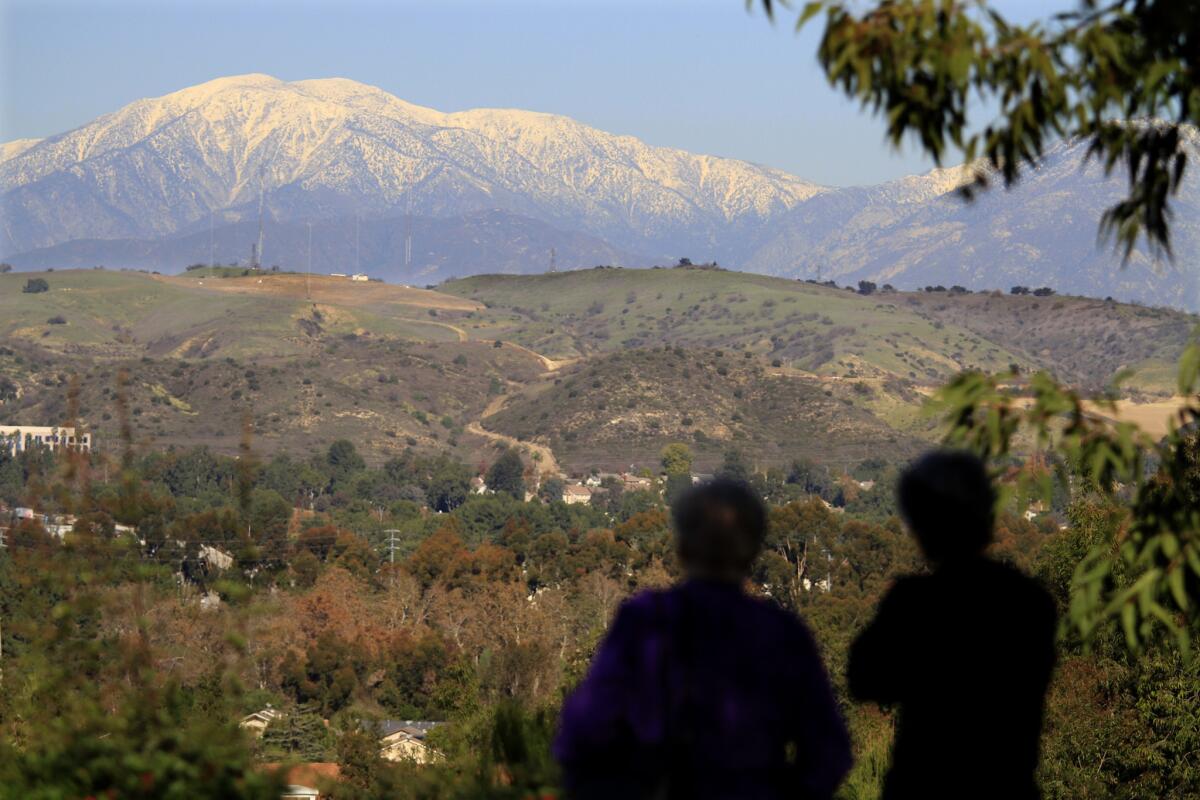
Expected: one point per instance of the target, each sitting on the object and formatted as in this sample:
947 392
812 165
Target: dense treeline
194 589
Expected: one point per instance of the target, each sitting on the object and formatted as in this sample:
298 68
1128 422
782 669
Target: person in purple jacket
702 691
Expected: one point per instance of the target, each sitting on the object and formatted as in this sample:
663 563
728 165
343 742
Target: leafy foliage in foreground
124 655
1120 74
1148 574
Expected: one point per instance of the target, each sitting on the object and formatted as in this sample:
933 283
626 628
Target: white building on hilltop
19 438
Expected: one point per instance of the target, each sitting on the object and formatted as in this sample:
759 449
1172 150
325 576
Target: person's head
719 529
948 502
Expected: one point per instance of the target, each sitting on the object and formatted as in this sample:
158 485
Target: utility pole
262 192
408 235
391 544
308 275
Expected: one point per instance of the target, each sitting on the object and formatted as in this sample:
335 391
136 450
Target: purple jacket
702 691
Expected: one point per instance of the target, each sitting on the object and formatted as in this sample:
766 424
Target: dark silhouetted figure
965 652
702 691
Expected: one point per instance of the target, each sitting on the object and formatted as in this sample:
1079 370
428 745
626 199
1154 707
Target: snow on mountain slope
335 146
917 232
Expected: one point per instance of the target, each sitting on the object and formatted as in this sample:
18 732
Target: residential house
301 780
575 493
215 558
18 438
635 483
60 525
404 740
257 722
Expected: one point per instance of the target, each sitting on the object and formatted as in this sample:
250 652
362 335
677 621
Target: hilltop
921 337
591 368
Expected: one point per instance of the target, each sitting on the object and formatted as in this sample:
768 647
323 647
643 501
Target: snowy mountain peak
334 146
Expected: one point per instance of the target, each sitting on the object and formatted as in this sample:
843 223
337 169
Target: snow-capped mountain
497 190
323 148
917 232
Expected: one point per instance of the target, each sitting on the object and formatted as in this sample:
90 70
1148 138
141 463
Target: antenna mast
553 261
308 274
357 268
212 242
262 190
408 234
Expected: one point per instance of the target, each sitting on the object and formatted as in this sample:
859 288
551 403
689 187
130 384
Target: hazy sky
703 75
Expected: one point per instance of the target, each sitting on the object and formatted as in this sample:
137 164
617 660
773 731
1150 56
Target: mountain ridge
332 148
327 144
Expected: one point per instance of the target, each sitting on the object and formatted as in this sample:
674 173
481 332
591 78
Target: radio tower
408 238
262 191
553 262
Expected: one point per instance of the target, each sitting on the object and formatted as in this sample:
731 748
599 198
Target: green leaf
1189 368
1175 584
810 11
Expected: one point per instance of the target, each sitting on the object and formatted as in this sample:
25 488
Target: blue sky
703 75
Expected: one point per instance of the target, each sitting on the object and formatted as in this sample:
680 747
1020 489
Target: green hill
601 366
922 337
619 409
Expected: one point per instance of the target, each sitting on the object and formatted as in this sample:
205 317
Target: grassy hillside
920 337
385 395
620 409
601 366
116 314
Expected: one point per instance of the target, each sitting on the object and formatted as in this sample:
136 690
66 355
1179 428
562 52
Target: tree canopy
506 475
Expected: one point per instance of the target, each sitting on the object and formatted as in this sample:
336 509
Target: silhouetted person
965 652
702 691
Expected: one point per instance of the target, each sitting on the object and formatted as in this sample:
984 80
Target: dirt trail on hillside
462 335
548 462
550 364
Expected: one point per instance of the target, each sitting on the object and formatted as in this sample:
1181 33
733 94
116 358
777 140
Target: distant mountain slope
491 241
1043 232
333 147
137 187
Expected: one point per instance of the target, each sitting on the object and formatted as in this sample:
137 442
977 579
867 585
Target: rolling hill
591 368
